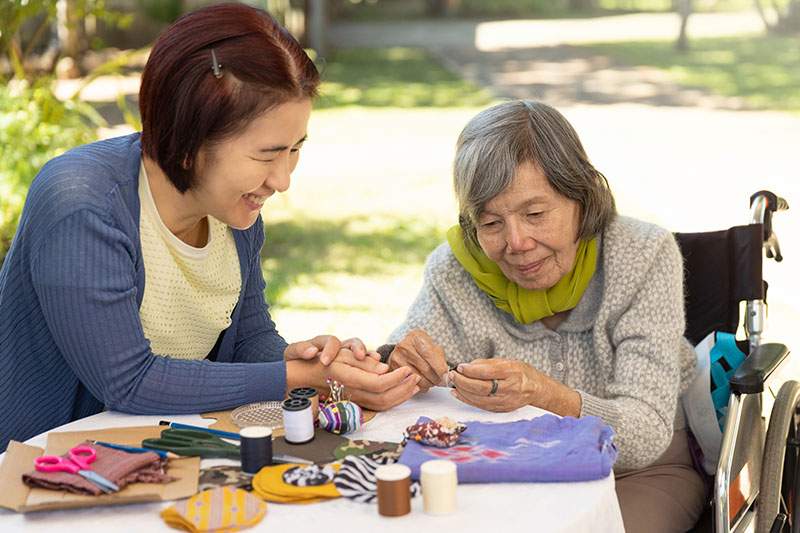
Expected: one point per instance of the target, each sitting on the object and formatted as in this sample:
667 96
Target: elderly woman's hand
504 385
327 348
418 351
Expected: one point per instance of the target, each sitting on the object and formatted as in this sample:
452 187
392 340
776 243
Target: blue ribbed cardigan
71 342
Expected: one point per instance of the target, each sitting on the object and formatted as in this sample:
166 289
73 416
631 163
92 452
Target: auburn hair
186 100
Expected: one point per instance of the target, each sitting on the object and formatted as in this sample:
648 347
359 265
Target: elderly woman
544 296
134 280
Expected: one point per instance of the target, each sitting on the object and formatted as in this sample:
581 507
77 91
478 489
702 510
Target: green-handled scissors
192 443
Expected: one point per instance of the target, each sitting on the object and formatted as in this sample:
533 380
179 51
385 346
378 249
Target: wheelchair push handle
763 204
774 202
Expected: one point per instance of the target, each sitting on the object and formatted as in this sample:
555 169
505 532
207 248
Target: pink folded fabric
119 467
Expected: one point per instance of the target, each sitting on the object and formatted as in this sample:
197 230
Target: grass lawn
371 197
763 70
393 77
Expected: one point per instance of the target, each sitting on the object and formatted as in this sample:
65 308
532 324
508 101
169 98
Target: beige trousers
669 495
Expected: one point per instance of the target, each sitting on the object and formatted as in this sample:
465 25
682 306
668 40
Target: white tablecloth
540 507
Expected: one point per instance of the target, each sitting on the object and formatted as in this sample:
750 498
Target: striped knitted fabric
71 341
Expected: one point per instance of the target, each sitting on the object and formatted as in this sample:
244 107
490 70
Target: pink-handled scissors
80 457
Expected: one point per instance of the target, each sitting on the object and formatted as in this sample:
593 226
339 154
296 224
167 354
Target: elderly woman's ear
426 358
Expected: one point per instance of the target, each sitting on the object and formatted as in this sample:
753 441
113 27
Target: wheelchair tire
779 470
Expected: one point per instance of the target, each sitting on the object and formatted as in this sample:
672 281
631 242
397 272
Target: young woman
134 281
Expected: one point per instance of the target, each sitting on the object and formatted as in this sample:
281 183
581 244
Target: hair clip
216 67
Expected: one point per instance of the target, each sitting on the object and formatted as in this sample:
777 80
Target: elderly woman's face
530 230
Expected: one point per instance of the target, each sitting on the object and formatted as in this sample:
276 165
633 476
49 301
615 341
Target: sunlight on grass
370 199
393 77
764 70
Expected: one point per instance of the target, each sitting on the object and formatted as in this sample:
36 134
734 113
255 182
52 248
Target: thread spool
256 448
394 489
439 481
309 393
297 421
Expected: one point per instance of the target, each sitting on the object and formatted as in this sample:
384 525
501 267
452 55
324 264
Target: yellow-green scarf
525 305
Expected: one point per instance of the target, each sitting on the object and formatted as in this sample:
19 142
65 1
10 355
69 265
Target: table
542 507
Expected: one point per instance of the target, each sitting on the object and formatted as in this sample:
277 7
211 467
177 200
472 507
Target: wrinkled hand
370 384
326 347
518 384
418 351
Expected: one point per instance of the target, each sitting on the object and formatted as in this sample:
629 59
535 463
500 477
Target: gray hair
499 139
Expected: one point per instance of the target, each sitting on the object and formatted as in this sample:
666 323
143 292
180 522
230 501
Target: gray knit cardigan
622 348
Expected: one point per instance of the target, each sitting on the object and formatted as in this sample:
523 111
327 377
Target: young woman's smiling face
236 176
530 230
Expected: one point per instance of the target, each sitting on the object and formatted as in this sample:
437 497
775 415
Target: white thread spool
439 481
298 422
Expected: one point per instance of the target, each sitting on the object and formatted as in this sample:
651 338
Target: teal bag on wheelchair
705 402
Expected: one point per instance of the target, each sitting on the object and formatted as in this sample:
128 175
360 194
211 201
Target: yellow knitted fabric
189 292
217 510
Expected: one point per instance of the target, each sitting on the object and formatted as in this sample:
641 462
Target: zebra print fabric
356 477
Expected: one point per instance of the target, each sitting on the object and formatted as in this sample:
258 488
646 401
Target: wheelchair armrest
749 378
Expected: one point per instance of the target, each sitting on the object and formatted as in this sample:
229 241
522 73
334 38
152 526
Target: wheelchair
756 486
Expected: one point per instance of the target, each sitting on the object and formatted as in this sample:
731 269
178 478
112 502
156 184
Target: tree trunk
70 34
762 14
581 5
684 10
442 8
789 21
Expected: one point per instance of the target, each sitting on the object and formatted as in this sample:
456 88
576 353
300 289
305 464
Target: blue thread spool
256 448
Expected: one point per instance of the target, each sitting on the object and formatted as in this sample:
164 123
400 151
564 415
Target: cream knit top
190 293
622 348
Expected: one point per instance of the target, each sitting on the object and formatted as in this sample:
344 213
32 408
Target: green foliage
162 10
35 126
764 70
393 77
14 13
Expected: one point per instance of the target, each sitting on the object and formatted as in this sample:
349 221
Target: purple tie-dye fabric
546 448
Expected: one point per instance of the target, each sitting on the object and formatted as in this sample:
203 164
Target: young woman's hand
367 382
326 348
370 390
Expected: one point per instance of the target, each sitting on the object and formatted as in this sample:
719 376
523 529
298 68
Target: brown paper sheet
17 496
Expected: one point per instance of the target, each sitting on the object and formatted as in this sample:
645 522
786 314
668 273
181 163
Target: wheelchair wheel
780 478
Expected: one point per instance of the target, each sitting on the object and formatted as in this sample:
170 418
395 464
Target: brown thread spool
394 490
309 393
